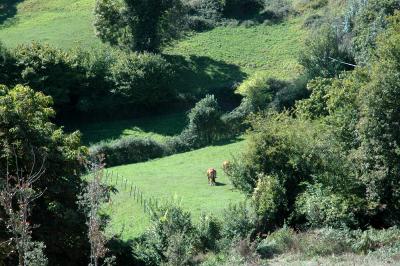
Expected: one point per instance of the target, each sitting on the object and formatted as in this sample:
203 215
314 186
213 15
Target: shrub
269 199
365 20
260 90
76 79
277 9
234 121
324 55
198 23
128 150
143 79
278 242
205 121
313 21
7 66
323 207
239 221
171 237
292 151
209 232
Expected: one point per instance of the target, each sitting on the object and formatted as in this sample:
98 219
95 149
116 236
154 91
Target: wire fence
127 186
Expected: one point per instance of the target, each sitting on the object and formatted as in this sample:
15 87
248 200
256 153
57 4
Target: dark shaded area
199 75
8 9
219 184
123 252
166 124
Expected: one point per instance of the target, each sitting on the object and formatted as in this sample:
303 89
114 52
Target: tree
139 25
379 153
19 189
94 195
25 126
205 120
324 55
142 78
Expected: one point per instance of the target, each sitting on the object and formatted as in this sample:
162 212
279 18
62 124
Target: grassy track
180 175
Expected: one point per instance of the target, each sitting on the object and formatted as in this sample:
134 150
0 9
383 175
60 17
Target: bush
76 79
7 66
198 23
365 20
128 150
324 55
239 221
171 237
205 121
234 121
277 9
209 232
144 79
292 151
278 242
270 201
323 207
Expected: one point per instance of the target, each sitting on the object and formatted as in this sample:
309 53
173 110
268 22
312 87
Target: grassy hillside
244 50
58 22
182 176
212 59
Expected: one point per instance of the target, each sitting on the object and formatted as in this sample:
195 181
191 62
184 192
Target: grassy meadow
61 23
182 176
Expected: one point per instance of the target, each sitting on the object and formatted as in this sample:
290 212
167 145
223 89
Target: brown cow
212 175
226 165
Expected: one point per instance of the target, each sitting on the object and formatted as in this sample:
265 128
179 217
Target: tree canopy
138 25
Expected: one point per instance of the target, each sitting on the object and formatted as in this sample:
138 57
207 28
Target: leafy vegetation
313 83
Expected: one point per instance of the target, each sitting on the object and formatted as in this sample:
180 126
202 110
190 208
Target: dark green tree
379 127
139 25
25 129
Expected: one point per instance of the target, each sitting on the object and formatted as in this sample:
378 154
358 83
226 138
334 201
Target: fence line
127 186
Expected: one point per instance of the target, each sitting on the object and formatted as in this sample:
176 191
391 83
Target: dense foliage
335 162
28 139
139 25
82 82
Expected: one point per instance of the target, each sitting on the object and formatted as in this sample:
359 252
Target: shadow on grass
8 9
198 75
219 184
166 125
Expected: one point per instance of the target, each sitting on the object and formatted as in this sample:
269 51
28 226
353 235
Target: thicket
30 143
334 161
82 82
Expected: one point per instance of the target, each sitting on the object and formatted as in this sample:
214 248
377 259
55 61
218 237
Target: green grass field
58 22
182 176
232 53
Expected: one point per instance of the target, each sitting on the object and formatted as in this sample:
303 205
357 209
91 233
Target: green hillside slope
59 22
182 176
